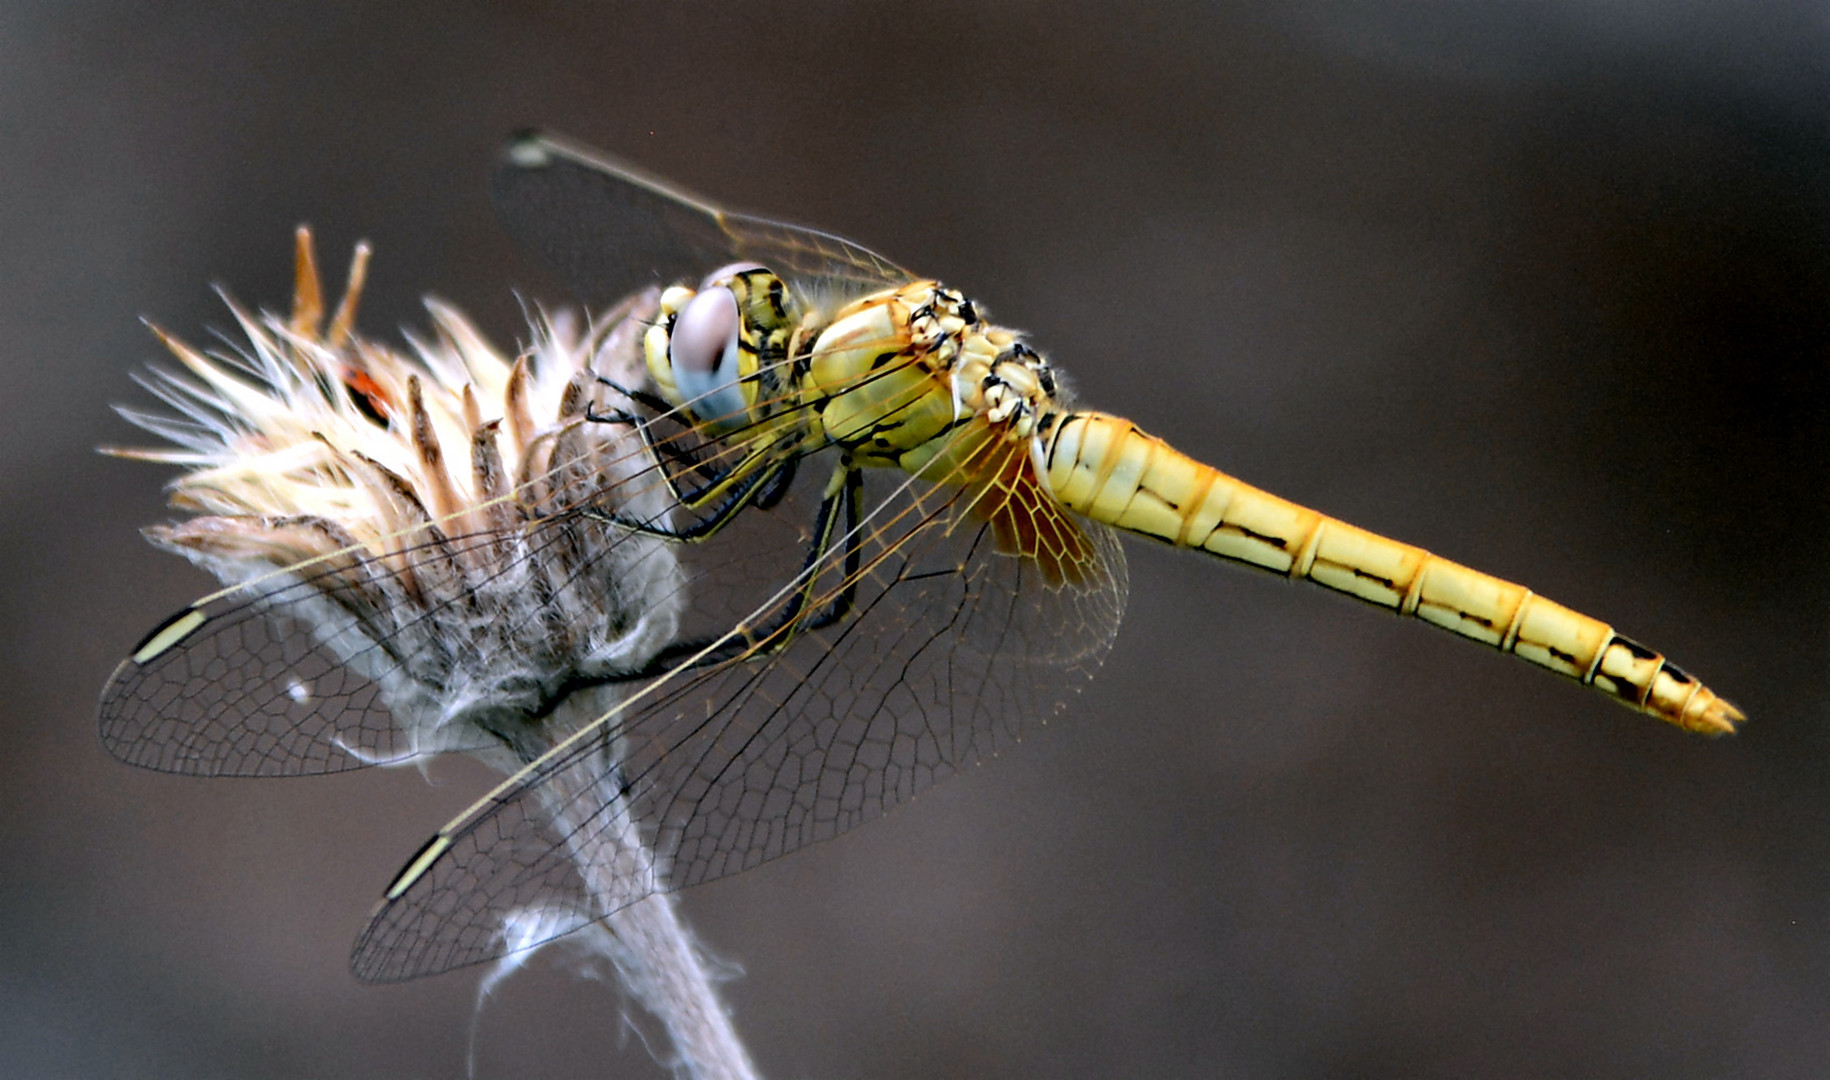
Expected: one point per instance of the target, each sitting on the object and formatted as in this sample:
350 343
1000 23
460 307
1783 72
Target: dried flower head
419 556
388 505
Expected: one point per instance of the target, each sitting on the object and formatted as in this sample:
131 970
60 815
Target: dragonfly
898 534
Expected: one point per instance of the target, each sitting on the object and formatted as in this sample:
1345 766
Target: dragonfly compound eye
704 354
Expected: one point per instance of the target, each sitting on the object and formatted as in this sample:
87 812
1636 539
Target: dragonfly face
892 547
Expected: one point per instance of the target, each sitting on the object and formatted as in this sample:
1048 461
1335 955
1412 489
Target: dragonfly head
716 350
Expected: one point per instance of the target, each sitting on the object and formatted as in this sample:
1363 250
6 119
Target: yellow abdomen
1105 468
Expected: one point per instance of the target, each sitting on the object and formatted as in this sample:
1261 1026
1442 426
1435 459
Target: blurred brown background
1543 286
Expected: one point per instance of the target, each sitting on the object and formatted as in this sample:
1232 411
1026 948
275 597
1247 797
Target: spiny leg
854 556
647 400
776 488
682 460
841 499
670 459
761 479
673 655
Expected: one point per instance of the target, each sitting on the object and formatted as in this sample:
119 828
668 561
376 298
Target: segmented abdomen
1105 468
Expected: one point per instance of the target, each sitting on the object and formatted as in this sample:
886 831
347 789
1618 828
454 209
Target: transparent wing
356 658
610 229
246 691
779 700
956 636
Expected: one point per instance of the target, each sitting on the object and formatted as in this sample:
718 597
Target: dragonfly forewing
609 228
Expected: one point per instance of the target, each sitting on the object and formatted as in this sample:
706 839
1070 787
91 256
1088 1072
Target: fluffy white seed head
437 490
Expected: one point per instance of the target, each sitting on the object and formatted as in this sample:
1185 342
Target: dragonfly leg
840 501
794 619
781 630
671 657
777 486
663 451
650 401
684 461
854 557
740 491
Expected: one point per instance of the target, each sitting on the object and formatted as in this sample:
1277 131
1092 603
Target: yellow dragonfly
897 545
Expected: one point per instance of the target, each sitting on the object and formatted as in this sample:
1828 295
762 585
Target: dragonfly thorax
895 371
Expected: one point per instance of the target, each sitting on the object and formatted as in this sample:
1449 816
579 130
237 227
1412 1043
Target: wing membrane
309 670
760 699
951 651
609 229
247 692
